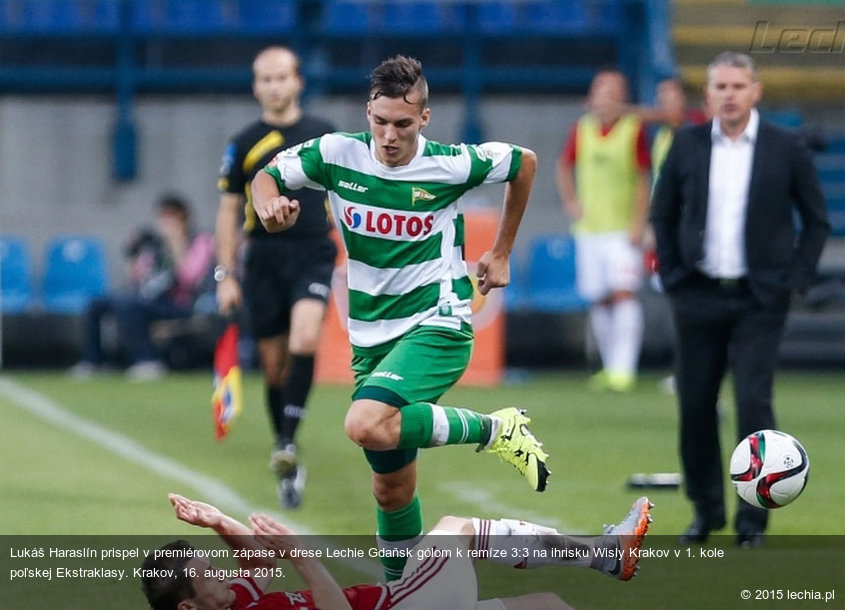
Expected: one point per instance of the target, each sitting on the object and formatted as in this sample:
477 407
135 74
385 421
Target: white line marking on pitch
211 489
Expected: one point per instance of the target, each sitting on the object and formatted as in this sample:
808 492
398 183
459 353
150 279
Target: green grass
56 482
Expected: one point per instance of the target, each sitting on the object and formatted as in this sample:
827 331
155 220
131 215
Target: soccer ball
769 469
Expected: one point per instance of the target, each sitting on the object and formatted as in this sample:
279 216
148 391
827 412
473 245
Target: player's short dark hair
163 592
674 80
174 204
397 77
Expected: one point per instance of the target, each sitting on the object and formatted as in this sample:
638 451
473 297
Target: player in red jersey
438 574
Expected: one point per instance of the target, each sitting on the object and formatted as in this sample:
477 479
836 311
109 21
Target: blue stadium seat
347 17
144 16
74 273
831 174
836 214
606 15
831 168
497 17
59 16
265 15
411 17
106 14
516 292
790 119
34 16
392 17
195 15
552 16
547 16
836 145
551 275
178 16
15 284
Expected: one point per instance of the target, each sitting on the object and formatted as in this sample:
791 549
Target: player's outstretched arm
236 534
273 535
275 211
205 515
494 265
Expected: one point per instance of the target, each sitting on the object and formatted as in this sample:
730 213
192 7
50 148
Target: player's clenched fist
493 271
276 212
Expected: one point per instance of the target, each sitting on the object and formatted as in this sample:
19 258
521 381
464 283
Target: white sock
627 333
527 545
601 324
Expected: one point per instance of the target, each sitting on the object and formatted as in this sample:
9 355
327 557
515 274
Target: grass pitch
99 457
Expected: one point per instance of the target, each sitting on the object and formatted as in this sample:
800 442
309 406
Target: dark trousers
721 324
97 310
134 316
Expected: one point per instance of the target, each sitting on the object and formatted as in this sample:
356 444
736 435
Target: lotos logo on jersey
352 217
391 224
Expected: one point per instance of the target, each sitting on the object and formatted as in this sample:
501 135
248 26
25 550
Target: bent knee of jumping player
373 425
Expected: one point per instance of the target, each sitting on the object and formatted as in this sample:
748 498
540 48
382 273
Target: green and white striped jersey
402 226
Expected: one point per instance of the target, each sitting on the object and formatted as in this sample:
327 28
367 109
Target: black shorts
280 273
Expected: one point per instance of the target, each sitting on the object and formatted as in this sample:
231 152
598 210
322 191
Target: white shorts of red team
607 263
437 575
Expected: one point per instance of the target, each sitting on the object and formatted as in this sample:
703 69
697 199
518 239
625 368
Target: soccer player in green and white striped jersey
396 198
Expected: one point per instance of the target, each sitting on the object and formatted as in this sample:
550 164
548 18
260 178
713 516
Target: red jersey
249 595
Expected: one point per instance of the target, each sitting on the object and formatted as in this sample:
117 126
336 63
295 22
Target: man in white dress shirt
730 257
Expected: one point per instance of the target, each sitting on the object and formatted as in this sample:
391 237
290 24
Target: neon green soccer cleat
283 459
515 444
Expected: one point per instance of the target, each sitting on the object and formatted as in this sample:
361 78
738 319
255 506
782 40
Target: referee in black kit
286 276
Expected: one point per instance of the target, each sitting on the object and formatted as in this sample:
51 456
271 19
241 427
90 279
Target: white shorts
436 575
607 263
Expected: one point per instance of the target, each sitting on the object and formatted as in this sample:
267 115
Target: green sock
428 425
397 530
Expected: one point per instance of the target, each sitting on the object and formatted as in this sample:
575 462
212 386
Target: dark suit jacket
781 250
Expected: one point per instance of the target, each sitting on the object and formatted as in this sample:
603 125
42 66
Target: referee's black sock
275 408
300 378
